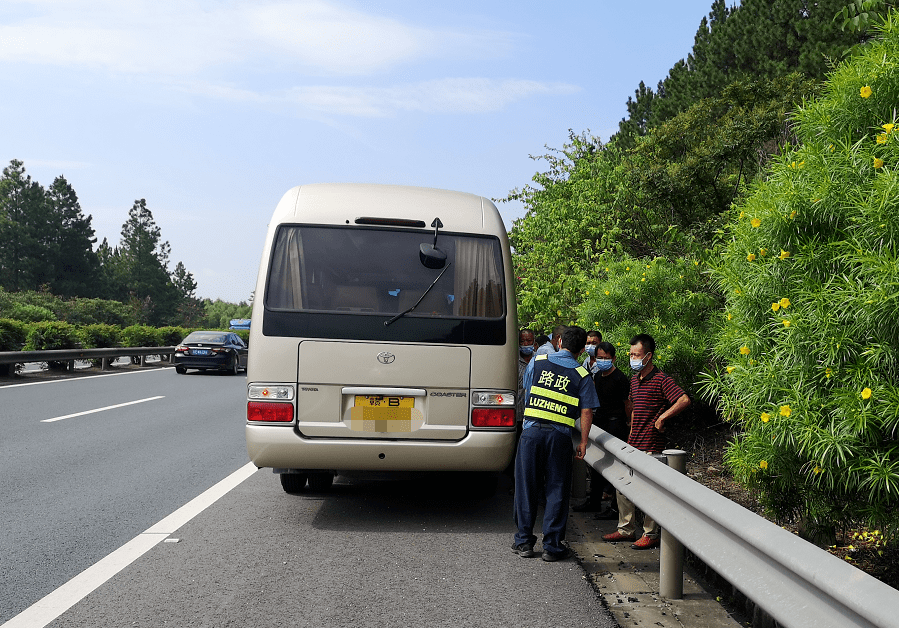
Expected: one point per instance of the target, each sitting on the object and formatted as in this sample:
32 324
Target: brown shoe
645 542
617 536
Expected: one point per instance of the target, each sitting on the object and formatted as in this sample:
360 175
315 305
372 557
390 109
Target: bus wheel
293 482
320 482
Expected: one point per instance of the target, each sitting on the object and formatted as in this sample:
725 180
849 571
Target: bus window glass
377 271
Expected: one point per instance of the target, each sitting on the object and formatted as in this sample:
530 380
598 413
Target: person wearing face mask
593 339
654 399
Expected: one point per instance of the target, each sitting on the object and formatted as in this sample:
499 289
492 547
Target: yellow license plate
377 401
375 413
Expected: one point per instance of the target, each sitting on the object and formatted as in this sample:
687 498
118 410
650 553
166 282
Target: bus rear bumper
281 447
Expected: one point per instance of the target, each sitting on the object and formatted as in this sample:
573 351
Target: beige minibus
383 335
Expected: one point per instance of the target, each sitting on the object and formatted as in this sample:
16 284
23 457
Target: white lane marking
78 379
62 599
118 405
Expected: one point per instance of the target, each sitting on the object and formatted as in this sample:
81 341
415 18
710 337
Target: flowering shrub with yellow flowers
809 343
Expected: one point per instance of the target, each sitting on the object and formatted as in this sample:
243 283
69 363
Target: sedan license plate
376 413
199 351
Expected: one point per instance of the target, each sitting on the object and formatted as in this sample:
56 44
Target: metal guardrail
795 582
67 355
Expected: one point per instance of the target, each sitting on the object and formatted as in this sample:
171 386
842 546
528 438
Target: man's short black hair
607 347
541 340
574 339
648 342
558 330
593 332
525 331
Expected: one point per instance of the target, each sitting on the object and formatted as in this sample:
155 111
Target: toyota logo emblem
386 358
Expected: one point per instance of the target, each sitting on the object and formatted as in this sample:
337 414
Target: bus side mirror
431 256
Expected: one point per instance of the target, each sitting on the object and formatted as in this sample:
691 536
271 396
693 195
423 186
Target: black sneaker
524 550
552 557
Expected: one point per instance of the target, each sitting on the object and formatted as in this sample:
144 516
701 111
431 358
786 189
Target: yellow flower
882 138
784 254
730 317
742 215
786 323
765 417
865 91
763 252
596 323
755 222
785 303
818 470
763 464
878 162
744 350
559 312
587 293
866 393
607 292
775 306
627 268
751 257
643 279
792 214
785 411
828 372
888 127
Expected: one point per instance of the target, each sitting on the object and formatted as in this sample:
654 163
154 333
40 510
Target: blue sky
212 110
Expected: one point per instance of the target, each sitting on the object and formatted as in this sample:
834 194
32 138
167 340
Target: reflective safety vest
554 392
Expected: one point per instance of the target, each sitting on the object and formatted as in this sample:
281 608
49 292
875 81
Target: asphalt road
369 552
74 490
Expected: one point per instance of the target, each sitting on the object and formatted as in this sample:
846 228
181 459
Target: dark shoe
552 557
588 506
524 550
617 536
645 542
606 514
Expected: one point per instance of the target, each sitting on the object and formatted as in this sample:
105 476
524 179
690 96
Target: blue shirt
586 392
545 349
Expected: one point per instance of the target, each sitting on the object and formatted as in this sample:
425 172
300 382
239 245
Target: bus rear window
377 271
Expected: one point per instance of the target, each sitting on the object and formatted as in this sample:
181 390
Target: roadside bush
672 300
12 334
49 335
28 313
95 311
810 336
171 336
244 335
141 336
99 336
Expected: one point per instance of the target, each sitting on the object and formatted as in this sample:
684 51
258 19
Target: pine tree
23 226
71 238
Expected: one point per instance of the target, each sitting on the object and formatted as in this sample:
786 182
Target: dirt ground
861 547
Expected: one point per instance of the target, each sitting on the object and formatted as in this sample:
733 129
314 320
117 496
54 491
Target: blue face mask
526 350
602 365
591 350
637 364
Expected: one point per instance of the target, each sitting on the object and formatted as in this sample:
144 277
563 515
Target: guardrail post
671 559
143 360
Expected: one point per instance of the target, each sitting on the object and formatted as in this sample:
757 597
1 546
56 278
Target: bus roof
343 203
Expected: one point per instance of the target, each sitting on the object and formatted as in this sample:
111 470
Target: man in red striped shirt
654 399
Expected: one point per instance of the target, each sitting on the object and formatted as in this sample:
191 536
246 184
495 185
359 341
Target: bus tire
293 482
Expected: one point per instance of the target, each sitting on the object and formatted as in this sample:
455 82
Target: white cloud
451 95
185 37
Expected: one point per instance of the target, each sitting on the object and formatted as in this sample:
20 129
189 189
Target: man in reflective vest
559 391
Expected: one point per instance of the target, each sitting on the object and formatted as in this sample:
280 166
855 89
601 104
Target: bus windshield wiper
402 314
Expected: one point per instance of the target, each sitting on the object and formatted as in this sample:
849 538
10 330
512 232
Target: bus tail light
269 412
493 417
